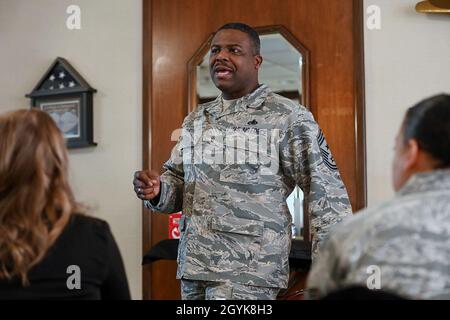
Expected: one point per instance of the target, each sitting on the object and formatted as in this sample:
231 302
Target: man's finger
143 190
147 191
142 176
153 175
138 183
146 179
146 196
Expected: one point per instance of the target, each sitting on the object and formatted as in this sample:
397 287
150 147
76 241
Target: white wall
406 61
107 53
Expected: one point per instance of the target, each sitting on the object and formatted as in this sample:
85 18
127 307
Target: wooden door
175 29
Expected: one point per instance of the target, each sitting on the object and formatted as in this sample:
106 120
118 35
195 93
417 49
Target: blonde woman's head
35 197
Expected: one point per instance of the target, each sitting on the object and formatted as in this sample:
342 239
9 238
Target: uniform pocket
237 244
232 224
241 166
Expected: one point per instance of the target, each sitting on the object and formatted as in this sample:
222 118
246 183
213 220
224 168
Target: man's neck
240 94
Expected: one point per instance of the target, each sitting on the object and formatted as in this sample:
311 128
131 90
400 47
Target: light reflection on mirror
295 205
282 72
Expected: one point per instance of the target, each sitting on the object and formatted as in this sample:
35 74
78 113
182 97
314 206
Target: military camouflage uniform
213 290
236 224
407 239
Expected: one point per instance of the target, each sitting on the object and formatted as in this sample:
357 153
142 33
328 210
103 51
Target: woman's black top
83 263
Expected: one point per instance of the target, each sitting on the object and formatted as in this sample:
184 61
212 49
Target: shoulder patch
325 151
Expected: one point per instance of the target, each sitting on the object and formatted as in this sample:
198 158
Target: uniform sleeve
306 158
170 199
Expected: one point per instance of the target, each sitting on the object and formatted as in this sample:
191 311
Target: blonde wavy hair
36 201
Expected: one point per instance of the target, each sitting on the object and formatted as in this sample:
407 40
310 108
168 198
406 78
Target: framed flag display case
68 99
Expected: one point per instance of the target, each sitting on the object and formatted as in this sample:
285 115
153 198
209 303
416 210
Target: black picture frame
68 99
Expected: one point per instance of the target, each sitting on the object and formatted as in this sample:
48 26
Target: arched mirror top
285 68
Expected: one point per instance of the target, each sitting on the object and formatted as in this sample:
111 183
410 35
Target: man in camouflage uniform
237 160
401 246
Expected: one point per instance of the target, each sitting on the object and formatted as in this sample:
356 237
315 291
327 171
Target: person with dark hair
402 246
251 33
237 160
48 250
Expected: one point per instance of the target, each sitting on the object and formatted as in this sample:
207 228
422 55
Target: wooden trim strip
146 135
360 117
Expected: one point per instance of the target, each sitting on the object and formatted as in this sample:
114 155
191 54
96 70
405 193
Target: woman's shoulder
88 225
86 220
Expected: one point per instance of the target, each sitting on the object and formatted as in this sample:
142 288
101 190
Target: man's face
400 172
233 64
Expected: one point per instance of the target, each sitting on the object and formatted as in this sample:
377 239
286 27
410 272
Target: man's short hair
254 37
428 122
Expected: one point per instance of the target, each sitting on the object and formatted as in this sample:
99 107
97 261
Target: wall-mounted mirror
281 70
284 69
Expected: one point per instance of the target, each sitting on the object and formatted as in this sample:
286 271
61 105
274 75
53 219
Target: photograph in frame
66 115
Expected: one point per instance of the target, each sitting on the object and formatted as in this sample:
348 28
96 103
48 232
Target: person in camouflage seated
237 160
401 246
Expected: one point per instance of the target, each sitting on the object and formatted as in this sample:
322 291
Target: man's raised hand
146 184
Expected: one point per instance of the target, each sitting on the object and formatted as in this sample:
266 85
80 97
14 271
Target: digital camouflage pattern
213 290
231 172
407 239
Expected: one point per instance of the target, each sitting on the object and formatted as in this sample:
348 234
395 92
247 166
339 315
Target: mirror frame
198 56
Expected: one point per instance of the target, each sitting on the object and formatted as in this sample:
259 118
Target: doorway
174 32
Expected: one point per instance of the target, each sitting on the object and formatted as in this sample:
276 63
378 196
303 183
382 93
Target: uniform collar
427 181
253 100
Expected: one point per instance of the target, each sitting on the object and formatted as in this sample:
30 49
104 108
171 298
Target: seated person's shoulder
86 221
89 226
365 222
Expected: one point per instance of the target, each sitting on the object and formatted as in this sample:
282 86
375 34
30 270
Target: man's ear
258 61
412 154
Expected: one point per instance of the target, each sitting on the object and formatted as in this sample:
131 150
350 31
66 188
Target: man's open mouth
222 72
